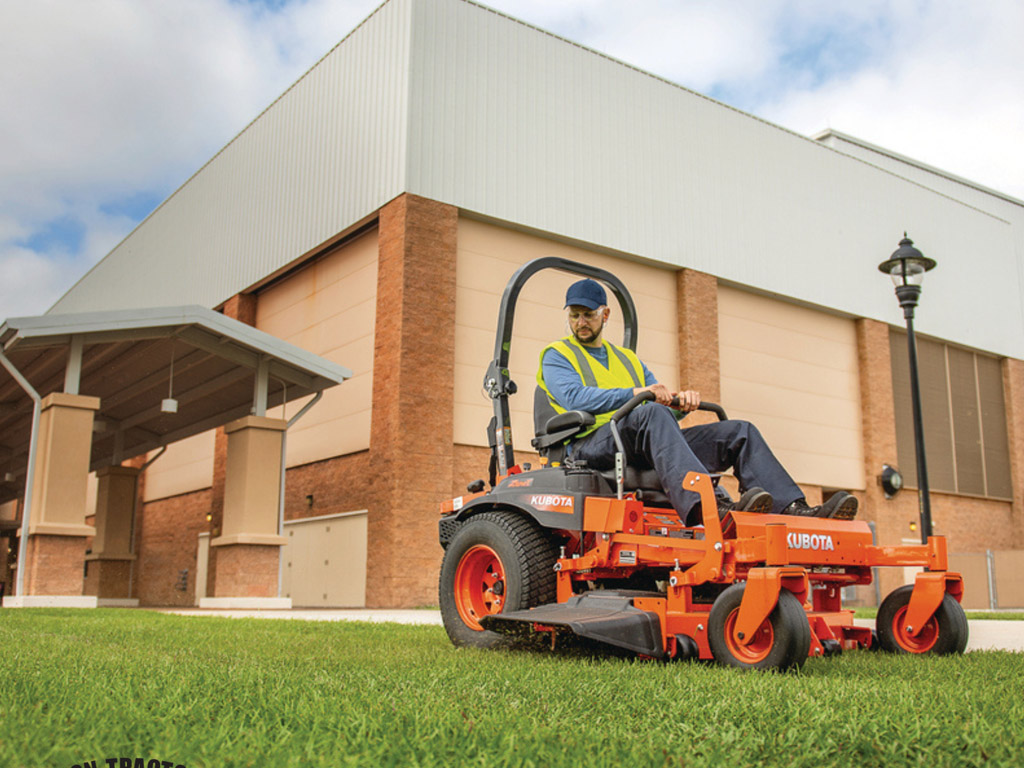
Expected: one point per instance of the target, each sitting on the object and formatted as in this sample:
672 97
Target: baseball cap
586 293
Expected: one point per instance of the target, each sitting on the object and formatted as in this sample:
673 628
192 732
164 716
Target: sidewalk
986 635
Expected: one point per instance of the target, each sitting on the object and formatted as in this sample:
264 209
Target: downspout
280 501
29 472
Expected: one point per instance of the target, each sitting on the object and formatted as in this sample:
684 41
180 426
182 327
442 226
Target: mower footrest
605 616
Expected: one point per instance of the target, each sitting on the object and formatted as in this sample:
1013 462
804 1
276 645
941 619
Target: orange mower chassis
811 559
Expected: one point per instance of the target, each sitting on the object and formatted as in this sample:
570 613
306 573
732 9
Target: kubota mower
573 553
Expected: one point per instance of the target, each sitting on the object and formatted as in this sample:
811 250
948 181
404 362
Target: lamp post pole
907 266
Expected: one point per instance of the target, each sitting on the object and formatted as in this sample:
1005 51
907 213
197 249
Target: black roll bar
497 383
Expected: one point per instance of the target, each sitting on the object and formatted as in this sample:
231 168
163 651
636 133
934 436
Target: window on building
964 418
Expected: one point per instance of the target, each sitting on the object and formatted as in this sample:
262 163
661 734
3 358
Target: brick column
110 563
411 443
249 547
55 556
240 307
878 424
1013 395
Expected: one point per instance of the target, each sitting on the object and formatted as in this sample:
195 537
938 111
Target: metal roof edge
162 317
822 135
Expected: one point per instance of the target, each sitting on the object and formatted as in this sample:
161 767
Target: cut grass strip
86 685
870 613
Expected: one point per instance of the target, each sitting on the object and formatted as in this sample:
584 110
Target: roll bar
497 383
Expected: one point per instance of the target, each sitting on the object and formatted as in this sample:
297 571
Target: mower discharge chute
570 552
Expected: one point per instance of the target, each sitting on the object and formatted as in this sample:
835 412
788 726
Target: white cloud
112 99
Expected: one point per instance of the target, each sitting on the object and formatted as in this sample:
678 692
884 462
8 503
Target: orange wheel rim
925 639
759 646
479 585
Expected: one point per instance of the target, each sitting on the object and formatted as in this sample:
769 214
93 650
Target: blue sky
109 106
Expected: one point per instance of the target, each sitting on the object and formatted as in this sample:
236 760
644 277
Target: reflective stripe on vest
624 371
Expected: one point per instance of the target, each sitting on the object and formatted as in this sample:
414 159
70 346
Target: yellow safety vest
624 371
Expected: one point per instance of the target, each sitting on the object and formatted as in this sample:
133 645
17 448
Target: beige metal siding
792 371
330 151
488 255
329 308
186 466
324 561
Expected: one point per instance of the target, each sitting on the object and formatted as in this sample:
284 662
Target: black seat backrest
553 428
542 411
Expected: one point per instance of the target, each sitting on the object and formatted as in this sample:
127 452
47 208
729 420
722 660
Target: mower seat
554 429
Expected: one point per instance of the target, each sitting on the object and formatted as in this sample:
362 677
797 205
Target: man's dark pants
652 439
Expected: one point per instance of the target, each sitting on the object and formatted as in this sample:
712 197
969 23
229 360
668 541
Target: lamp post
906 267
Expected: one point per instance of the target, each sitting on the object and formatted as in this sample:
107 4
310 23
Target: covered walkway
85 392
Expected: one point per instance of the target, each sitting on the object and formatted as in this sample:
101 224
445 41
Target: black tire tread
534 552
952 622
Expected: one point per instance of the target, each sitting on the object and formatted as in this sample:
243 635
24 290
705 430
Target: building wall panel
793 372
186 466
328 308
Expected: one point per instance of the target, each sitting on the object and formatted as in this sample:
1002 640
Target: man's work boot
756 500
840 506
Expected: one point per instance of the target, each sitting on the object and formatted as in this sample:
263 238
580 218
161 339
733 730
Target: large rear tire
945 632
782 641
497 561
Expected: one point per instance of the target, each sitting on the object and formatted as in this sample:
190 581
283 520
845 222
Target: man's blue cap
586 293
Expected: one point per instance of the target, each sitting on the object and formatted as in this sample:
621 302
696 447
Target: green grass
87 685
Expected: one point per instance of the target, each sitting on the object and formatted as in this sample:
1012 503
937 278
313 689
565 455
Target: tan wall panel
973 567
792 371
488 255
1009 577
329 308
325 561
186 466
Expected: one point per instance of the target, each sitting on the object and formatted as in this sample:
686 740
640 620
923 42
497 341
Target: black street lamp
907 266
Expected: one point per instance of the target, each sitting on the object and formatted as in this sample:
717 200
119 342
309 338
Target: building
373 214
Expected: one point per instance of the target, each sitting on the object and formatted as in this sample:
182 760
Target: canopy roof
217 369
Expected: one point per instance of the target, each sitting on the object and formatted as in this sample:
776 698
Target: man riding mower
621 537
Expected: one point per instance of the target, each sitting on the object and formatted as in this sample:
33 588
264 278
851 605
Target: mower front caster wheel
782 641
944 633
498 561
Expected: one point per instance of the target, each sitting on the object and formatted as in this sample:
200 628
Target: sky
108 106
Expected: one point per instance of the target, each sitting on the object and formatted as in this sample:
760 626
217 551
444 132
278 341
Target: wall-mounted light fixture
891 481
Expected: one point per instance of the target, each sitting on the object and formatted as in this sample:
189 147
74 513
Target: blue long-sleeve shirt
564 384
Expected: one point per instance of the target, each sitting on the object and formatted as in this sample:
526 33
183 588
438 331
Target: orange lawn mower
567 553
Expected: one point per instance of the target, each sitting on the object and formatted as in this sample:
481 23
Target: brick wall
241 307
337 485
167 540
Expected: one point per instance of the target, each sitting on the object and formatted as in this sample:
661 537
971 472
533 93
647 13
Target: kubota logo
810 541
555 503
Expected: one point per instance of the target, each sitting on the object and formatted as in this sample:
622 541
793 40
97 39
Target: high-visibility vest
624 371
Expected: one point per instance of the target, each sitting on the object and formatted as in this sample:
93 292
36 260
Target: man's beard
591 339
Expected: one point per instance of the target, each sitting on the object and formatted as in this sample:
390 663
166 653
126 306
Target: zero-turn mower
577 554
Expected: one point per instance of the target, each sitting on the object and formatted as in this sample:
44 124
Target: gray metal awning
222 370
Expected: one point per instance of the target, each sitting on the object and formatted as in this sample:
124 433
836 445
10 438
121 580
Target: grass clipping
88 685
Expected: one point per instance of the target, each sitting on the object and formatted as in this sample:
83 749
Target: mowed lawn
81 686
